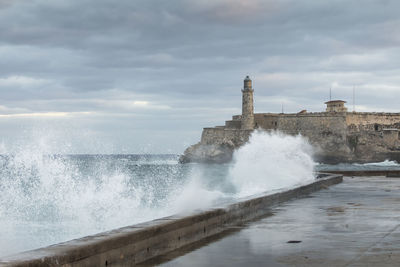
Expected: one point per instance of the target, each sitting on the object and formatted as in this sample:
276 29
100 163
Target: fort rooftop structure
336 134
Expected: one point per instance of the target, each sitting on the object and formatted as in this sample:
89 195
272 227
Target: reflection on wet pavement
356 223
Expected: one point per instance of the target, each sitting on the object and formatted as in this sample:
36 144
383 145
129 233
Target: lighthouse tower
247 105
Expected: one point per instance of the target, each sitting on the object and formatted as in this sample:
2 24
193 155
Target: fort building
335 106
336 134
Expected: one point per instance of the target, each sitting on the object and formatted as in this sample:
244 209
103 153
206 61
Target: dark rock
203 153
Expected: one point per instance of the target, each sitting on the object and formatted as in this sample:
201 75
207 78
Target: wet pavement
356 223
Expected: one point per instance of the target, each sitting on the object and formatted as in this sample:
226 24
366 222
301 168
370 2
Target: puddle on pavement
336 209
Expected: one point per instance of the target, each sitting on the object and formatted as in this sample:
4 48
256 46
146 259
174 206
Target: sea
47 199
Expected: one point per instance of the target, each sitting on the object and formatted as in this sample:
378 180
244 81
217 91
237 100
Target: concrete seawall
134 244
387 173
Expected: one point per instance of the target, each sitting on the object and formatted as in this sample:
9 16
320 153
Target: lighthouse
247 105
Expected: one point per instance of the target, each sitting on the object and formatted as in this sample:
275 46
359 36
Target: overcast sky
129 76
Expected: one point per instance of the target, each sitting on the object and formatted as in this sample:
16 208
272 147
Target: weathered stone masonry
337 135
247 119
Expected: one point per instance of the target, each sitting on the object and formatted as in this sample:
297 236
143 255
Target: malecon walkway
356 223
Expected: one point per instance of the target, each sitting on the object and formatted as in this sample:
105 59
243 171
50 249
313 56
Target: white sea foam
41 192
272 161
46 199
194 195
386 163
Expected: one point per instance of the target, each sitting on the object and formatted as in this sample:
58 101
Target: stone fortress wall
337 135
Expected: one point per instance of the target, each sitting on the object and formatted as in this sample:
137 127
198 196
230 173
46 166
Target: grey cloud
191 56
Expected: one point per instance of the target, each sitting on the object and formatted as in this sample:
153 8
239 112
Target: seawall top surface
355 223
78 249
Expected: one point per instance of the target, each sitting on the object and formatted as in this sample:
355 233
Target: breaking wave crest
272 161
47 198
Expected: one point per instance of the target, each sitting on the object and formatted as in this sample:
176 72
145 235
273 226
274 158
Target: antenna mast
330 93
282 107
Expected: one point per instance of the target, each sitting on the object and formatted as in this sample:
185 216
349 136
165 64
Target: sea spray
195 195
271 161
47 198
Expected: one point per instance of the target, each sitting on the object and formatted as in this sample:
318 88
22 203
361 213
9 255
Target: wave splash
47 198
272 161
